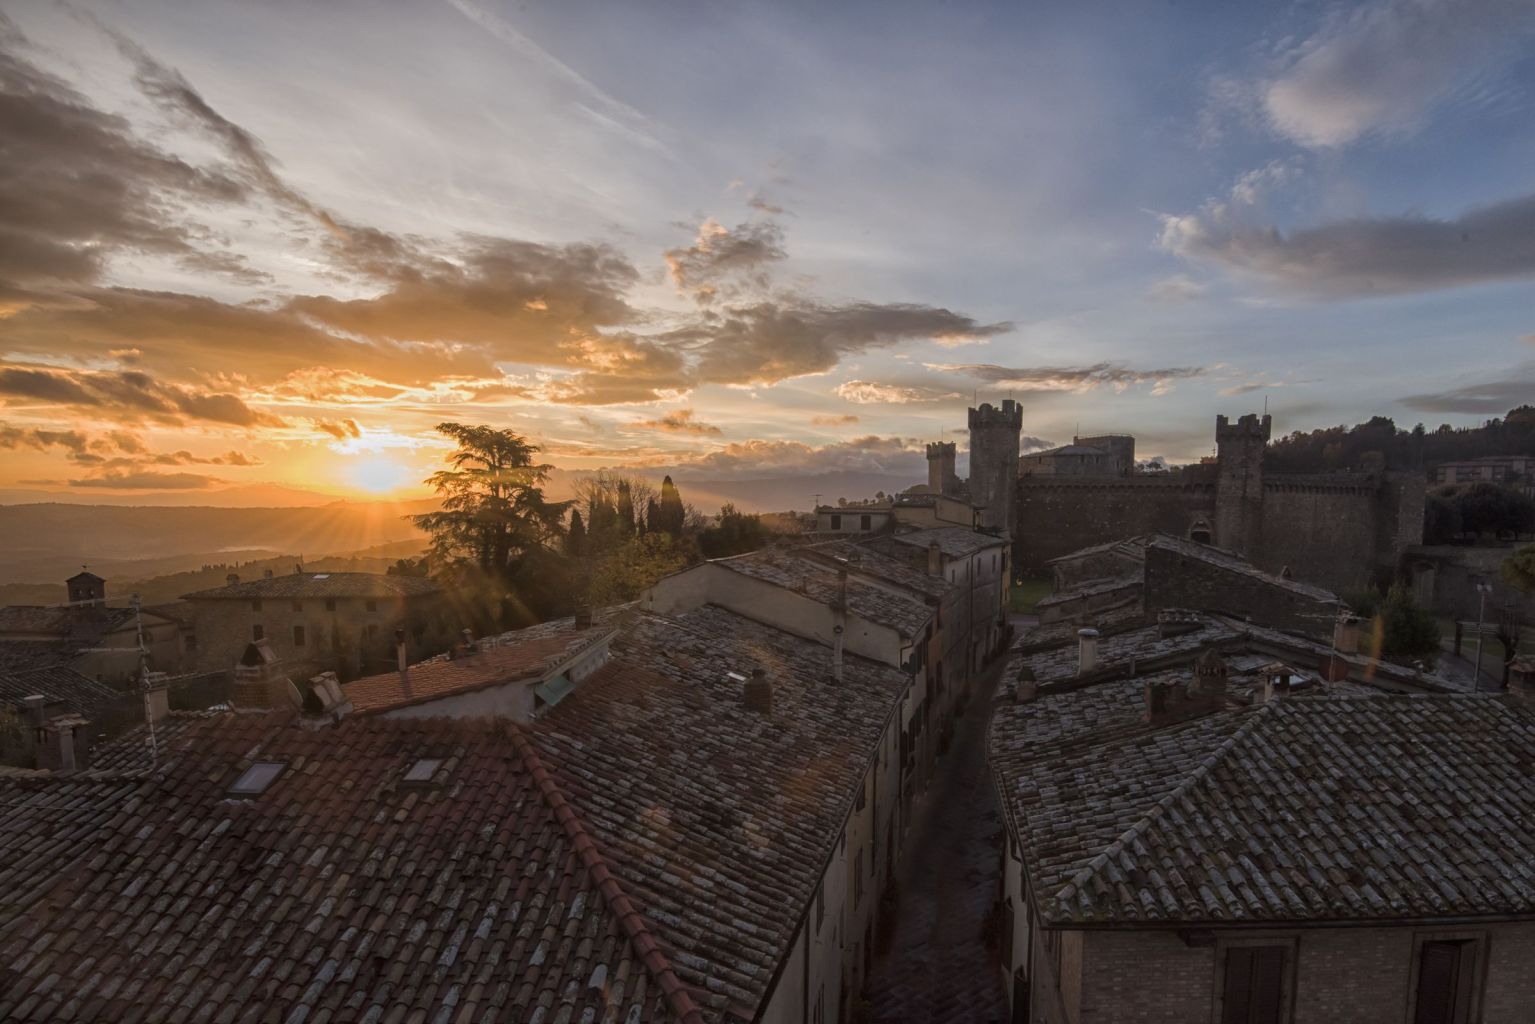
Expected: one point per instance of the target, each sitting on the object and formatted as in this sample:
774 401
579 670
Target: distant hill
46 543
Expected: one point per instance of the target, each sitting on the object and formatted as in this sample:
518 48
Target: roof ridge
629 917
1142 824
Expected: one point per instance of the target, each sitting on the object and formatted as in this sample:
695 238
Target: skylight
322 575
255 779
423 770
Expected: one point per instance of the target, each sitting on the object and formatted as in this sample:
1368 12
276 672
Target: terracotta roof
340 893
953 541
719 819
81 694
1333 807
21 655
905 612
320 584
527 654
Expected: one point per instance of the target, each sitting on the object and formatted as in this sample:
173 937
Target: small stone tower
1239 483
86 588
994 462
940 468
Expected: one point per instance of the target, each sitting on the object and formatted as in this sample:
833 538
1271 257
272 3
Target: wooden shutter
1444 983
1254 989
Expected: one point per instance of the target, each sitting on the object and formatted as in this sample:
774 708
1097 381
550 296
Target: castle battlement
1250 427
941 449
1010 415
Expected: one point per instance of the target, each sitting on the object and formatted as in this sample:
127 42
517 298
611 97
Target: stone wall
1173 580
1056 516
1326 534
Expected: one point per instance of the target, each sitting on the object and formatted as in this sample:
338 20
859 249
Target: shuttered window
1445 972
1254 990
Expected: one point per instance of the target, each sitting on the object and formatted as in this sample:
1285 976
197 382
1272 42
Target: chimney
836 653
1025 687
37 710
1087 650
1521 680
934 559
1176 622
298 570
232 578
1276 683
399 650
266 574
157 703
759 692
1210 677
1345 633
584 616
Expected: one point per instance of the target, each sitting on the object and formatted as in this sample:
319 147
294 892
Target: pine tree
672 512
575 537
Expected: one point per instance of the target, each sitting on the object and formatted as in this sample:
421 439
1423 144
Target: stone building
343 622
1141 576
1339 530
1209 821
99 641
1103 455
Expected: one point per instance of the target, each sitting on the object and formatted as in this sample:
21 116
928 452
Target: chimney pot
1087 650
399 650
759 692
1026 687
157 703
1345 634
37 709
584 616
1521 680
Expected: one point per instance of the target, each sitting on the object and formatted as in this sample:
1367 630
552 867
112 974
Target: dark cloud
720 254
1029 443
1353 258
773 341
1492 397
1070 378
137 481
683 421
127 394
79 186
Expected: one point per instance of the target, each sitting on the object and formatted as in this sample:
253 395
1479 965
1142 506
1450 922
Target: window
191 642
1446 989
297 605
330 604
865 522
371 605
836 522
423 770
258 632
370 630
298 636
1253 990
256 605
255 779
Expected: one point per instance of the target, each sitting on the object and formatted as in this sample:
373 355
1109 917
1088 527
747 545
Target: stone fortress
1341 530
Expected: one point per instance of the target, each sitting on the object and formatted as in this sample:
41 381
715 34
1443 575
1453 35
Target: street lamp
1483 588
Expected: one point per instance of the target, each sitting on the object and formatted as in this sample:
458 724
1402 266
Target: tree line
1342 447
513 557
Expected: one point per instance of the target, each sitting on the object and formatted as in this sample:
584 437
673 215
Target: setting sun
377 475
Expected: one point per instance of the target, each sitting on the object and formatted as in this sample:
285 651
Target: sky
252 248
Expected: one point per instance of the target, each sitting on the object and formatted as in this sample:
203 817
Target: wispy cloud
682 421
868 392
1071 378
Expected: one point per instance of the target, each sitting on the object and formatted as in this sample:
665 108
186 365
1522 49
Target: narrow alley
938 969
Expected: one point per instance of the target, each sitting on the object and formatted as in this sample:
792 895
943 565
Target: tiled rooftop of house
345 890
320 584
1328 806
61 685
789 568
528 654
1233 562
865 561
953 541
718 818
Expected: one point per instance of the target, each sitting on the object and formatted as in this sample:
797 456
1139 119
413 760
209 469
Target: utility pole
1483 588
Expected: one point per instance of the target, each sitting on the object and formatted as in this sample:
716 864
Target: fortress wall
1058 515
1326 533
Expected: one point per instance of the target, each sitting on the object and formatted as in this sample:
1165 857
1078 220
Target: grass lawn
1029 592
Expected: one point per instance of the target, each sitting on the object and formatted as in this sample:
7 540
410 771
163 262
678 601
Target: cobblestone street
938 970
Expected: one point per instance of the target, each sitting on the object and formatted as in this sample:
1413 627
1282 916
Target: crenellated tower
941 478
1239 483
994 462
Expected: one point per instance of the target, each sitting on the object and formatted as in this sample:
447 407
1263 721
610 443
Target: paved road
938 970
